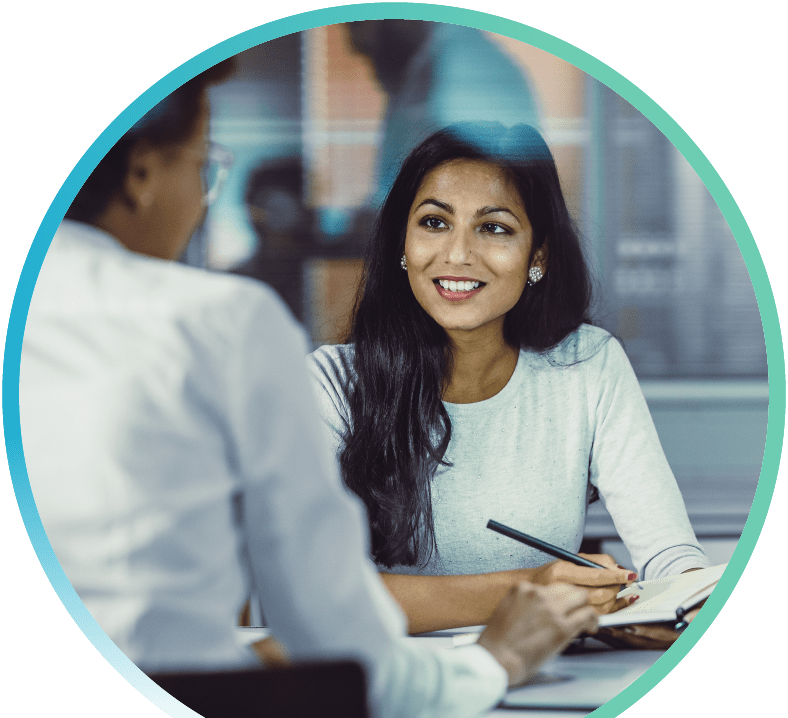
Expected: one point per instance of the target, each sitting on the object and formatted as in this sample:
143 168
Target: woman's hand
655 636
602 584
435 602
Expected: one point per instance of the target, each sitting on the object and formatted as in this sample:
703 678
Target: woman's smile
456 289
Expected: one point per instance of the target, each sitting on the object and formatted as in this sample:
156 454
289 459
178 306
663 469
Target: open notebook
665 599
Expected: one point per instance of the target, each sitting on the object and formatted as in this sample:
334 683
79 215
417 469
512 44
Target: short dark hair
399 429
170 122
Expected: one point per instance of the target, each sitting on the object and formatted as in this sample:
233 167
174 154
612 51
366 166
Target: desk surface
579 682
575 683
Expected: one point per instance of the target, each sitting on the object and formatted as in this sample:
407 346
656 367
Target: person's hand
533 623
602 584
653 636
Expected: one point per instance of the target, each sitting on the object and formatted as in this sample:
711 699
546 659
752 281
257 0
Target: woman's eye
493 228
433 223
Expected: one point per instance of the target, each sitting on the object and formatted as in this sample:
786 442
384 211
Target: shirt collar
90 235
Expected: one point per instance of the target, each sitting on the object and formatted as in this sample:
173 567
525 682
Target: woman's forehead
469 181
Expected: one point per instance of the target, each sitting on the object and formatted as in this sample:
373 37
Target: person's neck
132 232
481 365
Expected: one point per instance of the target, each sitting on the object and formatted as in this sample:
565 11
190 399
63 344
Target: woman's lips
457 296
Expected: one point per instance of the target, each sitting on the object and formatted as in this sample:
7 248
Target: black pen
536 543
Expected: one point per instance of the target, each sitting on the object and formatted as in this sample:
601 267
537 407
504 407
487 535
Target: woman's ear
141 177
540 257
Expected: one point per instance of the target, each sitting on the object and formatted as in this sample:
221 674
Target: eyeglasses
215 171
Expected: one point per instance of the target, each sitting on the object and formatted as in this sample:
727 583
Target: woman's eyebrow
445 206
491 210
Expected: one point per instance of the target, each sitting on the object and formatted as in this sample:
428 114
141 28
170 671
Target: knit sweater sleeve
628 466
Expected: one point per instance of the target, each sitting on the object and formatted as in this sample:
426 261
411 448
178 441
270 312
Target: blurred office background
317 122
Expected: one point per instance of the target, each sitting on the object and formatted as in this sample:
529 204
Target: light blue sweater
529 456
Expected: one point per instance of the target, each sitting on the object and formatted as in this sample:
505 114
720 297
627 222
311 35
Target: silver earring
403 263
534 275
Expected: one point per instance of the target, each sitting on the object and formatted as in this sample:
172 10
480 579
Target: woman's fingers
583 576
624 602
602 599
608 561
611 578
603 559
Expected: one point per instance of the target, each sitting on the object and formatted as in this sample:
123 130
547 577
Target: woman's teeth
453 286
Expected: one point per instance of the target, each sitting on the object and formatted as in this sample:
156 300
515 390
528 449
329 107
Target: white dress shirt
177 461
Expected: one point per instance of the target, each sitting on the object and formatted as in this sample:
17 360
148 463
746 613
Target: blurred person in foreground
177 459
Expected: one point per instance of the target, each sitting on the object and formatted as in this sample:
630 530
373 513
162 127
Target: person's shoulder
583 344
120 280
333 362
600 348
590 352
333 351
200 285
218 310
593 338
602 353
200 293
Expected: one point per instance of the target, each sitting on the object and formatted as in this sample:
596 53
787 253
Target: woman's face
467 245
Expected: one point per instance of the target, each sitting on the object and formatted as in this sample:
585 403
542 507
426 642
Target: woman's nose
459 246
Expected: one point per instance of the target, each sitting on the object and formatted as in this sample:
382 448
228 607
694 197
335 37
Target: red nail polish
632 599
632 577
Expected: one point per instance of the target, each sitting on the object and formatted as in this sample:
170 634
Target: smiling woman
473 386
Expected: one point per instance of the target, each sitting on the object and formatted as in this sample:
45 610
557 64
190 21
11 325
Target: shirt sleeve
629 468
307 540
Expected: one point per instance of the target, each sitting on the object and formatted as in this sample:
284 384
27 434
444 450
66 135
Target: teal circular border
407 11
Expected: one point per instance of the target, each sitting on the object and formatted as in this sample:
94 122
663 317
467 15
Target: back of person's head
552 308
171 122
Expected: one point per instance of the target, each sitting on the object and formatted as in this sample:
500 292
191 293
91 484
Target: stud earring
534 275
403 263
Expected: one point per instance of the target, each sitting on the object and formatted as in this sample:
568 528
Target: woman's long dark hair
399 428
